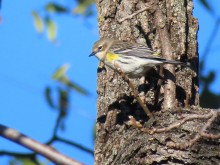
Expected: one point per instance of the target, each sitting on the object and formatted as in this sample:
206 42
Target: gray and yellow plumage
133 59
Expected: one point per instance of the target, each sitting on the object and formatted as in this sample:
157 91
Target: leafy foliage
83 8
56 8
51 29
38 22
63 90
60 76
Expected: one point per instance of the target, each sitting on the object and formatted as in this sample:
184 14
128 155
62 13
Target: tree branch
170 87
35 146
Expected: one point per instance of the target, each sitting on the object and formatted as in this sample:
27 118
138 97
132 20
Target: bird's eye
100 48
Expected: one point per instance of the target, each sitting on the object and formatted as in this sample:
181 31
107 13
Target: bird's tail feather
187 64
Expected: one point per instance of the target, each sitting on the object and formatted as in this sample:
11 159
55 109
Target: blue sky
206 26
28 61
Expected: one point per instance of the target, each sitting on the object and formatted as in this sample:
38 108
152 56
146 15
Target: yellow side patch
156 54
110 57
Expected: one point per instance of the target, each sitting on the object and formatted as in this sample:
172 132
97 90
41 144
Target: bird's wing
133 49
141 51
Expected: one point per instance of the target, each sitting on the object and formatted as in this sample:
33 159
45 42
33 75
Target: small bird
132 59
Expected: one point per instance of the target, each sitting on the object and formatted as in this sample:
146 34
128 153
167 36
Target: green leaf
60 75
82 6
55 8
80 9
77 88
206 5
24 161
38 22
51 29
60 72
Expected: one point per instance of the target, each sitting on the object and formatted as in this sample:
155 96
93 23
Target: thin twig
198 136
134 14
57 124
177 124
210 136
135 93
21 155
81 147
55 137
211 116
207 125
183 146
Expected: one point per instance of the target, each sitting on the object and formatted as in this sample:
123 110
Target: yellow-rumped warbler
132 59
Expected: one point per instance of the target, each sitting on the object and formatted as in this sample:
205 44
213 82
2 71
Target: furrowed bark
117 142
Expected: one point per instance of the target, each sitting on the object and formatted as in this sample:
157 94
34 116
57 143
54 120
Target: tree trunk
168 27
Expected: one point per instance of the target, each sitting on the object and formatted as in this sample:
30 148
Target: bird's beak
92 54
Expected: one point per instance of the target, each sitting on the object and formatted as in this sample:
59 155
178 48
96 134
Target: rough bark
116 141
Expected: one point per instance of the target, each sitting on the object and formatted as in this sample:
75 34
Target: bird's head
100 48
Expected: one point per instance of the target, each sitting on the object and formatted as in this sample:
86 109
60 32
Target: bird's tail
174 62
